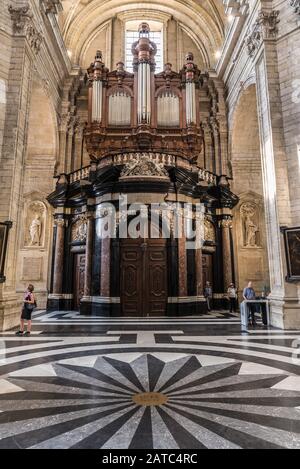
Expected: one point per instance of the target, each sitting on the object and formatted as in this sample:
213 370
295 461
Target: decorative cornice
296 5
23 25
264 27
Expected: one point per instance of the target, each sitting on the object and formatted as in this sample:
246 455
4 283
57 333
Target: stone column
76 158
209 147
217 147
63 137
105 268
89 255
261 44
226 227
59 256
69 149
182 259
16 68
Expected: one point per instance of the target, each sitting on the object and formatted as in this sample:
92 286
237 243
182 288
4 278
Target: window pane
133 36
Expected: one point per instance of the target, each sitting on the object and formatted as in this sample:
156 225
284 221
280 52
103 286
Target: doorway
144 277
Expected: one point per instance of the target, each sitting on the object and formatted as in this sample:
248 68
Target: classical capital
264 27
296 5
225 223
23 24
20 18
60 222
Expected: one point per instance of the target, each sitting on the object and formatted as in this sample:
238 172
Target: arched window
132 35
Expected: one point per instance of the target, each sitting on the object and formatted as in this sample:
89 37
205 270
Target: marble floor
163 383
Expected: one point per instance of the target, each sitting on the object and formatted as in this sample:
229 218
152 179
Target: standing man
249 294
208 295
232 296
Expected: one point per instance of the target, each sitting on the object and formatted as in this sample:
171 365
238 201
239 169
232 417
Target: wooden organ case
147 139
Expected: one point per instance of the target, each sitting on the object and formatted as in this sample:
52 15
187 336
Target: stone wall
32 49
262 48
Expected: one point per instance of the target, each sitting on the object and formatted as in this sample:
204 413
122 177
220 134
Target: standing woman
29 305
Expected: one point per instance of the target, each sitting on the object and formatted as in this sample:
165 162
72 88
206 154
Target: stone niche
33 255
251 261
250 225
35 221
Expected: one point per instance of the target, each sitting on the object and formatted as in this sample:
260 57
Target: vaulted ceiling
203 20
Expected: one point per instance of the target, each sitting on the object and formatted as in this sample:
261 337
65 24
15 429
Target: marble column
226 227
105 268
182 260
89 255
59 256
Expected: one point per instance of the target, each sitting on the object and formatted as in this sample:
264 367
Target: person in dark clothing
208 294
28 307
249 294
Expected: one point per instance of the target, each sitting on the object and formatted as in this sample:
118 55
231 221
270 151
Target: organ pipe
97 101
144 93
190 103
168 110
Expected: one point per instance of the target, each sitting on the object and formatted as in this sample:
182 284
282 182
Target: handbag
31 306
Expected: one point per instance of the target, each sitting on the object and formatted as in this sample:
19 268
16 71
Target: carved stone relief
264 27
23 24
250 225
296 5
79 229
35 224
209 231
144 166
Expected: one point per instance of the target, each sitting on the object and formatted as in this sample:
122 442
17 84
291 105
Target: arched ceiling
202 20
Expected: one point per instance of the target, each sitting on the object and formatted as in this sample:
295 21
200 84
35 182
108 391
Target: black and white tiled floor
163 383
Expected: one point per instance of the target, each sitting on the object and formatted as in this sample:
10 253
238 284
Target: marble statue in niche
35 231
35 221
250 225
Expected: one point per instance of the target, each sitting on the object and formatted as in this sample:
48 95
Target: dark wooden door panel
207 269
143 277
131 281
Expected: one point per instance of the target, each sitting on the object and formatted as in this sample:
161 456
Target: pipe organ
152 138
142 102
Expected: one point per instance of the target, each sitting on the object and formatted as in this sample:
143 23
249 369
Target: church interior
149 165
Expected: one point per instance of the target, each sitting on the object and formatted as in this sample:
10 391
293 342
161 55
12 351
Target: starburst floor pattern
149 402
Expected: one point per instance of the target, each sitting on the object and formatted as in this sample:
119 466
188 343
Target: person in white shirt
232 296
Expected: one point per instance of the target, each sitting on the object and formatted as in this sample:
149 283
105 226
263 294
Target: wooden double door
143 277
